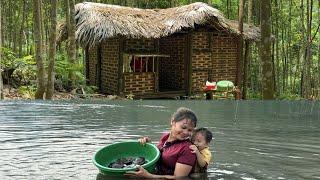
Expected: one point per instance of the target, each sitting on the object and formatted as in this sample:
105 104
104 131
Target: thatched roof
96 22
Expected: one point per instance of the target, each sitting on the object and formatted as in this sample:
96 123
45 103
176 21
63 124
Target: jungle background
284 65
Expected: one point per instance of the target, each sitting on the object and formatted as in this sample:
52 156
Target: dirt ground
11 93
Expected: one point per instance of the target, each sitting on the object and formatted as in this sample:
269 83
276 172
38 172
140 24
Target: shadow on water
252 139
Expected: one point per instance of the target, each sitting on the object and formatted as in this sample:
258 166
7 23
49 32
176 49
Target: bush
27 92
287 95
253 95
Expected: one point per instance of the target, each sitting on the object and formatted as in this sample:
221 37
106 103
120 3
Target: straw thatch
96 22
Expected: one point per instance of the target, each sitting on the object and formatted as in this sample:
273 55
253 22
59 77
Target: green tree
1 82
39 50
52 50
267 71
71 41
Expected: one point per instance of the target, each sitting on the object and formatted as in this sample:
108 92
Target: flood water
253 139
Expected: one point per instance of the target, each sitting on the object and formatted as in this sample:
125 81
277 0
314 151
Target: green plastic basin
111 153
224 85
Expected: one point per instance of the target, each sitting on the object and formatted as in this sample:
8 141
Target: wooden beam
245 69
156 75
98 67
189 63
240 46
120 67
87 65
239 62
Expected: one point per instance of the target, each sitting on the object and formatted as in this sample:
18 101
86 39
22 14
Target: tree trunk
250 6
24 15
14 26
245 69
1 82
131 3
43 28
306 81
228 9
72 42
283 56
277 51
290 61
265 53
174 3
302 49
39 51
248 56
52 50
240 46
318 66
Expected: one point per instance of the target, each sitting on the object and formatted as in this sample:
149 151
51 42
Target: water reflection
253 139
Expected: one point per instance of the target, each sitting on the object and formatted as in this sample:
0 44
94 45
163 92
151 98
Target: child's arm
202 163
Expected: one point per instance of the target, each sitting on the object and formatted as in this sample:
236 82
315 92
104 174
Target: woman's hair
205 132
185 113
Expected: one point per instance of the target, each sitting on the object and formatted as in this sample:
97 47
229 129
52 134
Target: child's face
200 141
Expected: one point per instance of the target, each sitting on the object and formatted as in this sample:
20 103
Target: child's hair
205 132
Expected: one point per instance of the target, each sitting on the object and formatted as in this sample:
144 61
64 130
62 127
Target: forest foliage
295 47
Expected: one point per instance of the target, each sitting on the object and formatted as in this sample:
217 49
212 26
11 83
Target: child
201 139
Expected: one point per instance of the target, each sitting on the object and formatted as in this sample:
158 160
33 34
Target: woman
176 158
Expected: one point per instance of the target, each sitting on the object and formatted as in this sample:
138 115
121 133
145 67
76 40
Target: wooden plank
145 51
167 94
151 55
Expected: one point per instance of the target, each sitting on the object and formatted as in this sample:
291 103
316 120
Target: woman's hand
144 140
141 172
194 149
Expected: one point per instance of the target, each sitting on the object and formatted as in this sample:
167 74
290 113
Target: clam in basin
111 153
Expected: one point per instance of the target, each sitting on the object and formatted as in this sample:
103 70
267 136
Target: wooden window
141 63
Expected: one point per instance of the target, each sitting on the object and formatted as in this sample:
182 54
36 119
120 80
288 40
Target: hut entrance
141 72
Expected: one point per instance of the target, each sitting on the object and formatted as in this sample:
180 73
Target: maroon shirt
173 152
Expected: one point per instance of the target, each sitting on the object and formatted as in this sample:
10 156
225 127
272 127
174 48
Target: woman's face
181 130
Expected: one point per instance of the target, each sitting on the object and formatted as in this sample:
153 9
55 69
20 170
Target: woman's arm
181 170
144 140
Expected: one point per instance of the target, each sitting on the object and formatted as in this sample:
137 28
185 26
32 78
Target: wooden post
98 68
240 46
189 63
87 67
120 67
245 69
1 81
210 73
156 76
